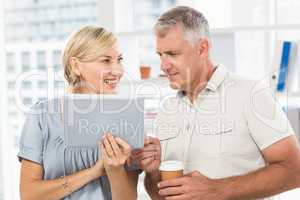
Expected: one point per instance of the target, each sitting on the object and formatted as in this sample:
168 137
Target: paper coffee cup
171 169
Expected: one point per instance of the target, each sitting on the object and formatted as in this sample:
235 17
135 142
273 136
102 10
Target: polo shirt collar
217 78
214 82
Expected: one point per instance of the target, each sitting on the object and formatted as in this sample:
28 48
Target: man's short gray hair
195 25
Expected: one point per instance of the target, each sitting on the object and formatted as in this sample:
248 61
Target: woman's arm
33 187
115 153
123 184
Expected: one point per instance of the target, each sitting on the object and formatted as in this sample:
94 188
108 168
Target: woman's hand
115 152
98 169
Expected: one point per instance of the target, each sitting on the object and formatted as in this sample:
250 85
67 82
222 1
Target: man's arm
281 174
150 182
149 159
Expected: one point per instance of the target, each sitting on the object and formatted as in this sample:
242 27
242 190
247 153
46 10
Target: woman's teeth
108 81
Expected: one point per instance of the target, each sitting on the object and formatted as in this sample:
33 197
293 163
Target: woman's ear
203 48
75 66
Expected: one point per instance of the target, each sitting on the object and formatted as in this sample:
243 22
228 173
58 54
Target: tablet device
88 117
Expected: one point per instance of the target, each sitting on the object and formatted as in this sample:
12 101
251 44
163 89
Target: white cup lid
171 165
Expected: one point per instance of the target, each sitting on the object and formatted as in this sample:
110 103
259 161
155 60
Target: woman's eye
120 60
106 61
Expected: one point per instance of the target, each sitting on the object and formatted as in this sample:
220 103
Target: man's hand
192 186
149 157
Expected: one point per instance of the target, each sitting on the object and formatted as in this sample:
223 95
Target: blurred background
33 33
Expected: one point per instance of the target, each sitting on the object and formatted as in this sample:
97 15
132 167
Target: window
27 101
13 114
255 27
146 12
59 84
42 84
56 59
10 85
41 60
25 60
27 85
11 62
42 99
11 99
288 12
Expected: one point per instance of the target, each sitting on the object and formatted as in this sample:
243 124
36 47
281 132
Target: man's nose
164 63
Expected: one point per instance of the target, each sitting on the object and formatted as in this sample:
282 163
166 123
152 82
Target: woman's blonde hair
86 44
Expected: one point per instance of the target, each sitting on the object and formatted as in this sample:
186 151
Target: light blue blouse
42 141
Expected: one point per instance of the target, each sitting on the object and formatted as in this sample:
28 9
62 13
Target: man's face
179 59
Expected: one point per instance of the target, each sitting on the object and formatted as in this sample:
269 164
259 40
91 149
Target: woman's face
103 74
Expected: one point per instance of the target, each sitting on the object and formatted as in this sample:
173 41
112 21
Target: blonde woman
49 169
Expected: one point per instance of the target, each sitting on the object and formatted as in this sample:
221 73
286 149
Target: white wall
223 49
106 15
294 117
3 169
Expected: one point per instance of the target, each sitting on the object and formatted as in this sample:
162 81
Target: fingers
172 182
151 147
103 151
113 144
116 147
147 140
177 197
122 143
145 155
171 191
194 173
151 140
151 152
147 161
107 146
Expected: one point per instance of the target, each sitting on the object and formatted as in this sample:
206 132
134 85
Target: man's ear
203 47
75 66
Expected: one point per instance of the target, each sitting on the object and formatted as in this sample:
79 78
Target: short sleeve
167 125
162 134
31 142
266 119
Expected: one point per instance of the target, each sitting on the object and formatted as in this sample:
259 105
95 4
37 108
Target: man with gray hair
233 138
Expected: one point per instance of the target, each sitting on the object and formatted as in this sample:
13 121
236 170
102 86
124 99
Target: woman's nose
117 71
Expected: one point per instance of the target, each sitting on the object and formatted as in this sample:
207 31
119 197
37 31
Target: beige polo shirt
223 133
